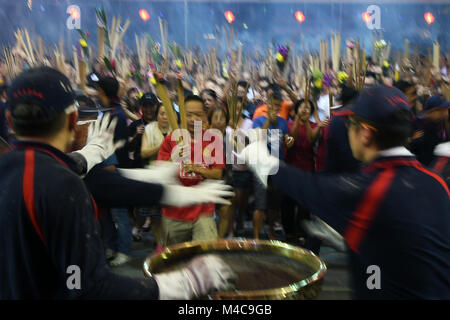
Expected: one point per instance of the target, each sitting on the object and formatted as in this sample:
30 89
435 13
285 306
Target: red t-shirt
192 213
301 154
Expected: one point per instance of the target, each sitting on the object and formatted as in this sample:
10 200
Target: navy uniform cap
41 86
380 104
149 99
436 102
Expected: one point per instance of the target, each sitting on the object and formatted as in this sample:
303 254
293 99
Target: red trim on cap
367 208
28 191
343 113
441 162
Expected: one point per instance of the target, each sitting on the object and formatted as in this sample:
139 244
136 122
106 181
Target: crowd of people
307 127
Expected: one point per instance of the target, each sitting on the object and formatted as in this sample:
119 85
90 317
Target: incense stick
181 105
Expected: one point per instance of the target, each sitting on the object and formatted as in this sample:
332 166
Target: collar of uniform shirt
396 151
443 149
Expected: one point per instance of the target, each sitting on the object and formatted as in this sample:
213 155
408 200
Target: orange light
74 13
366 17
429 17
300 16
145 16
229 16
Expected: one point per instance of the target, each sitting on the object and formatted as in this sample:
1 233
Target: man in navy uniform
48 227
394 214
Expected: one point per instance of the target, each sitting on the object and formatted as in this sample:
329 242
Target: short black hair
242 84
193 97
264 79
300 101
214 110
403 85
32 120
209 92
276 91
110 86
390 136
131 90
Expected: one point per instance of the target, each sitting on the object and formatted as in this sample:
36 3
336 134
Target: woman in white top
154 134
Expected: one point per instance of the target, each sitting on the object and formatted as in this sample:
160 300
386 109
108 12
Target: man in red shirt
201 159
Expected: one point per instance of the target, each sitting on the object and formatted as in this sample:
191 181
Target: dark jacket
121 133
339 157
394 214
423 147
48 224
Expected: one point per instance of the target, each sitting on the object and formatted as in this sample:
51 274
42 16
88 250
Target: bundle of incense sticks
116 36
163 30
180 91
162 93
307 89
232 104
406 52
336 51
101 43
142 52
124 67
26 48
59 61
241 107
436 54
324 56
40 49
11 64
76 65
82 74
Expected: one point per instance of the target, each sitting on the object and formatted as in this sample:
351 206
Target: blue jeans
109 231
120 216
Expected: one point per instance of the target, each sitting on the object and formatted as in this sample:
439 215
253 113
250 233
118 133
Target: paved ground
336 281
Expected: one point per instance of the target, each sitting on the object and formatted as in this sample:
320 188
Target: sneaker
119 260
109 254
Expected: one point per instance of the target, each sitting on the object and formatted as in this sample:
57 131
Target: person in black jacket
394 214
49 241
430 129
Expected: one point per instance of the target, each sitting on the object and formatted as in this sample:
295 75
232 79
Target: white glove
257 157
203 275
317 228
209 191
442 150
100 141
163 172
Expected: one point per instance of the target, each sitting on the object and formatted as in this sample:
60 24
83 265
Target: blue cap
41 86
436 102
380 104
